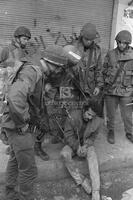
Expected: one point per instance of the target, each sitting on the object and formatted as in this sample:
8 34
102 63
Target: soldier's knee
66 152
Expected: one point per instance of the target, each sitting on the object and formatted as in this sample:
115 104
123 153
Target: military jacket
23 96
118 72
73 128
89 68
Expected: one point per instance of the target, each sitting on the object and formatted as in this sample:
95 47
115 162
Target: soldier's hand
96 91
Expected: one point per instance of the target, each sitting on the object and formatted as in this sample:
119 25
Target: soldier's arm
17 97
105 66
4 54
98 71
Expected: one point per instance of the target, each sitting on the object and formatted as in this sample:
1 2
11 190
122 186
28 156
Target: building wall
120 21
65 16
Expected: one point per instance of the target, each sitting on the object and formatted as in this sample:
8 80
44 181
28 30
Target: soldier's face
23 41
55 69
87 43
122 46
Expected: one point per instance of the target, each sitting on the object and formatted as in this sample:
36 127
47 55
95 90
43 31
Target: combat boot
111 137
129 137
40 152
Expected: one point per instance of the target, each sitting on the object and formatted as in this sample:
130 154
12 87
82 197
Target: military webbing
121 66
88 66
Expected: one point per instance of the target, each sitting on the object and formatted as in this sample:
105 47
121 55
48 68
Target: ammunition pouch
128 78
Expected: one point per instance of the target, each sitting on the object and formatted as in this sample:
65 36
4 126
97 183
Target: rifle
61 129
77 84
70 117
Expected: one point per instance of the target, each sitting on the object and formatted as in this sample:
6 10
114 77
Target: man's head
51 61
55 59
91 109
88 34
22 35
123 39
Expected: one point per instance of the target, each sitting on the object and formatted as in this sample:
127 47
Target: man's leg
126 114
23 147
11 178
27 173
94 172
111 103
74 171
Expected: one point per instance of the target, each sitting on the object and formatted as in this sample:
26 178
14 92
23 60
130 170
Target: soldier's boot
40 152
129 137
111 137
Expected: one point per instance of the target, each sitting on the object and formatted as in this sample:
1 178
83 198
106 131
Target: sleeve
17 97
4 54
98 71
70 136
105 66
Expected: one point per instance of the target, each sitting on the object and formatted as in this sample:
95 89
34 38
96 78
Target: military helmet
22 31
124 36
72 53
55 55
89 31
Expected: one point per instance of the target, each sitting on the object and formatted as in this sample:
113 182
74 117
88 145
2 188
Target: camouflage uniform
118 86
88 69
9 57
23 98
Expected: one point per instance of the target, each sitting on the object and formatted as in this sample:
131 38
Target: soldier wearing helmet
88 61
118 81
20 47
25 102
22 35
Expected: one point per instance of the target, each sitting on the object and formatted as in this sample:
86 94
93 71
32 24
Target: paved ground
110 156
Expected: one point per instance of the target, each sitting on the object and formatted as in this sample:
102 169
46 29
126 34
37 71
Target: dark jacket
74 125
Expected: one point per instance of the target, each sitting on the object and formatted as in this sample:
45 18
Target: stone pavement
111 157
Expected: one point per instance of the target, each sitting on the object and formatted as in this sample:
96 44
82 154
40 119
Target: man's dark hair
94 105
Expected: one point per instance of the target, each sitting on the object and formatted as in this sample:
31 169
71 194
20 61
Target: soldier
24 101
118 79
19 48
80 132
16 49
89 67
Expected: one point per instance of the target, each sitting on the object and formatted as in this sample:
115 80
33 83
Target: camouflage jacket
118 72
23 98
89 68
